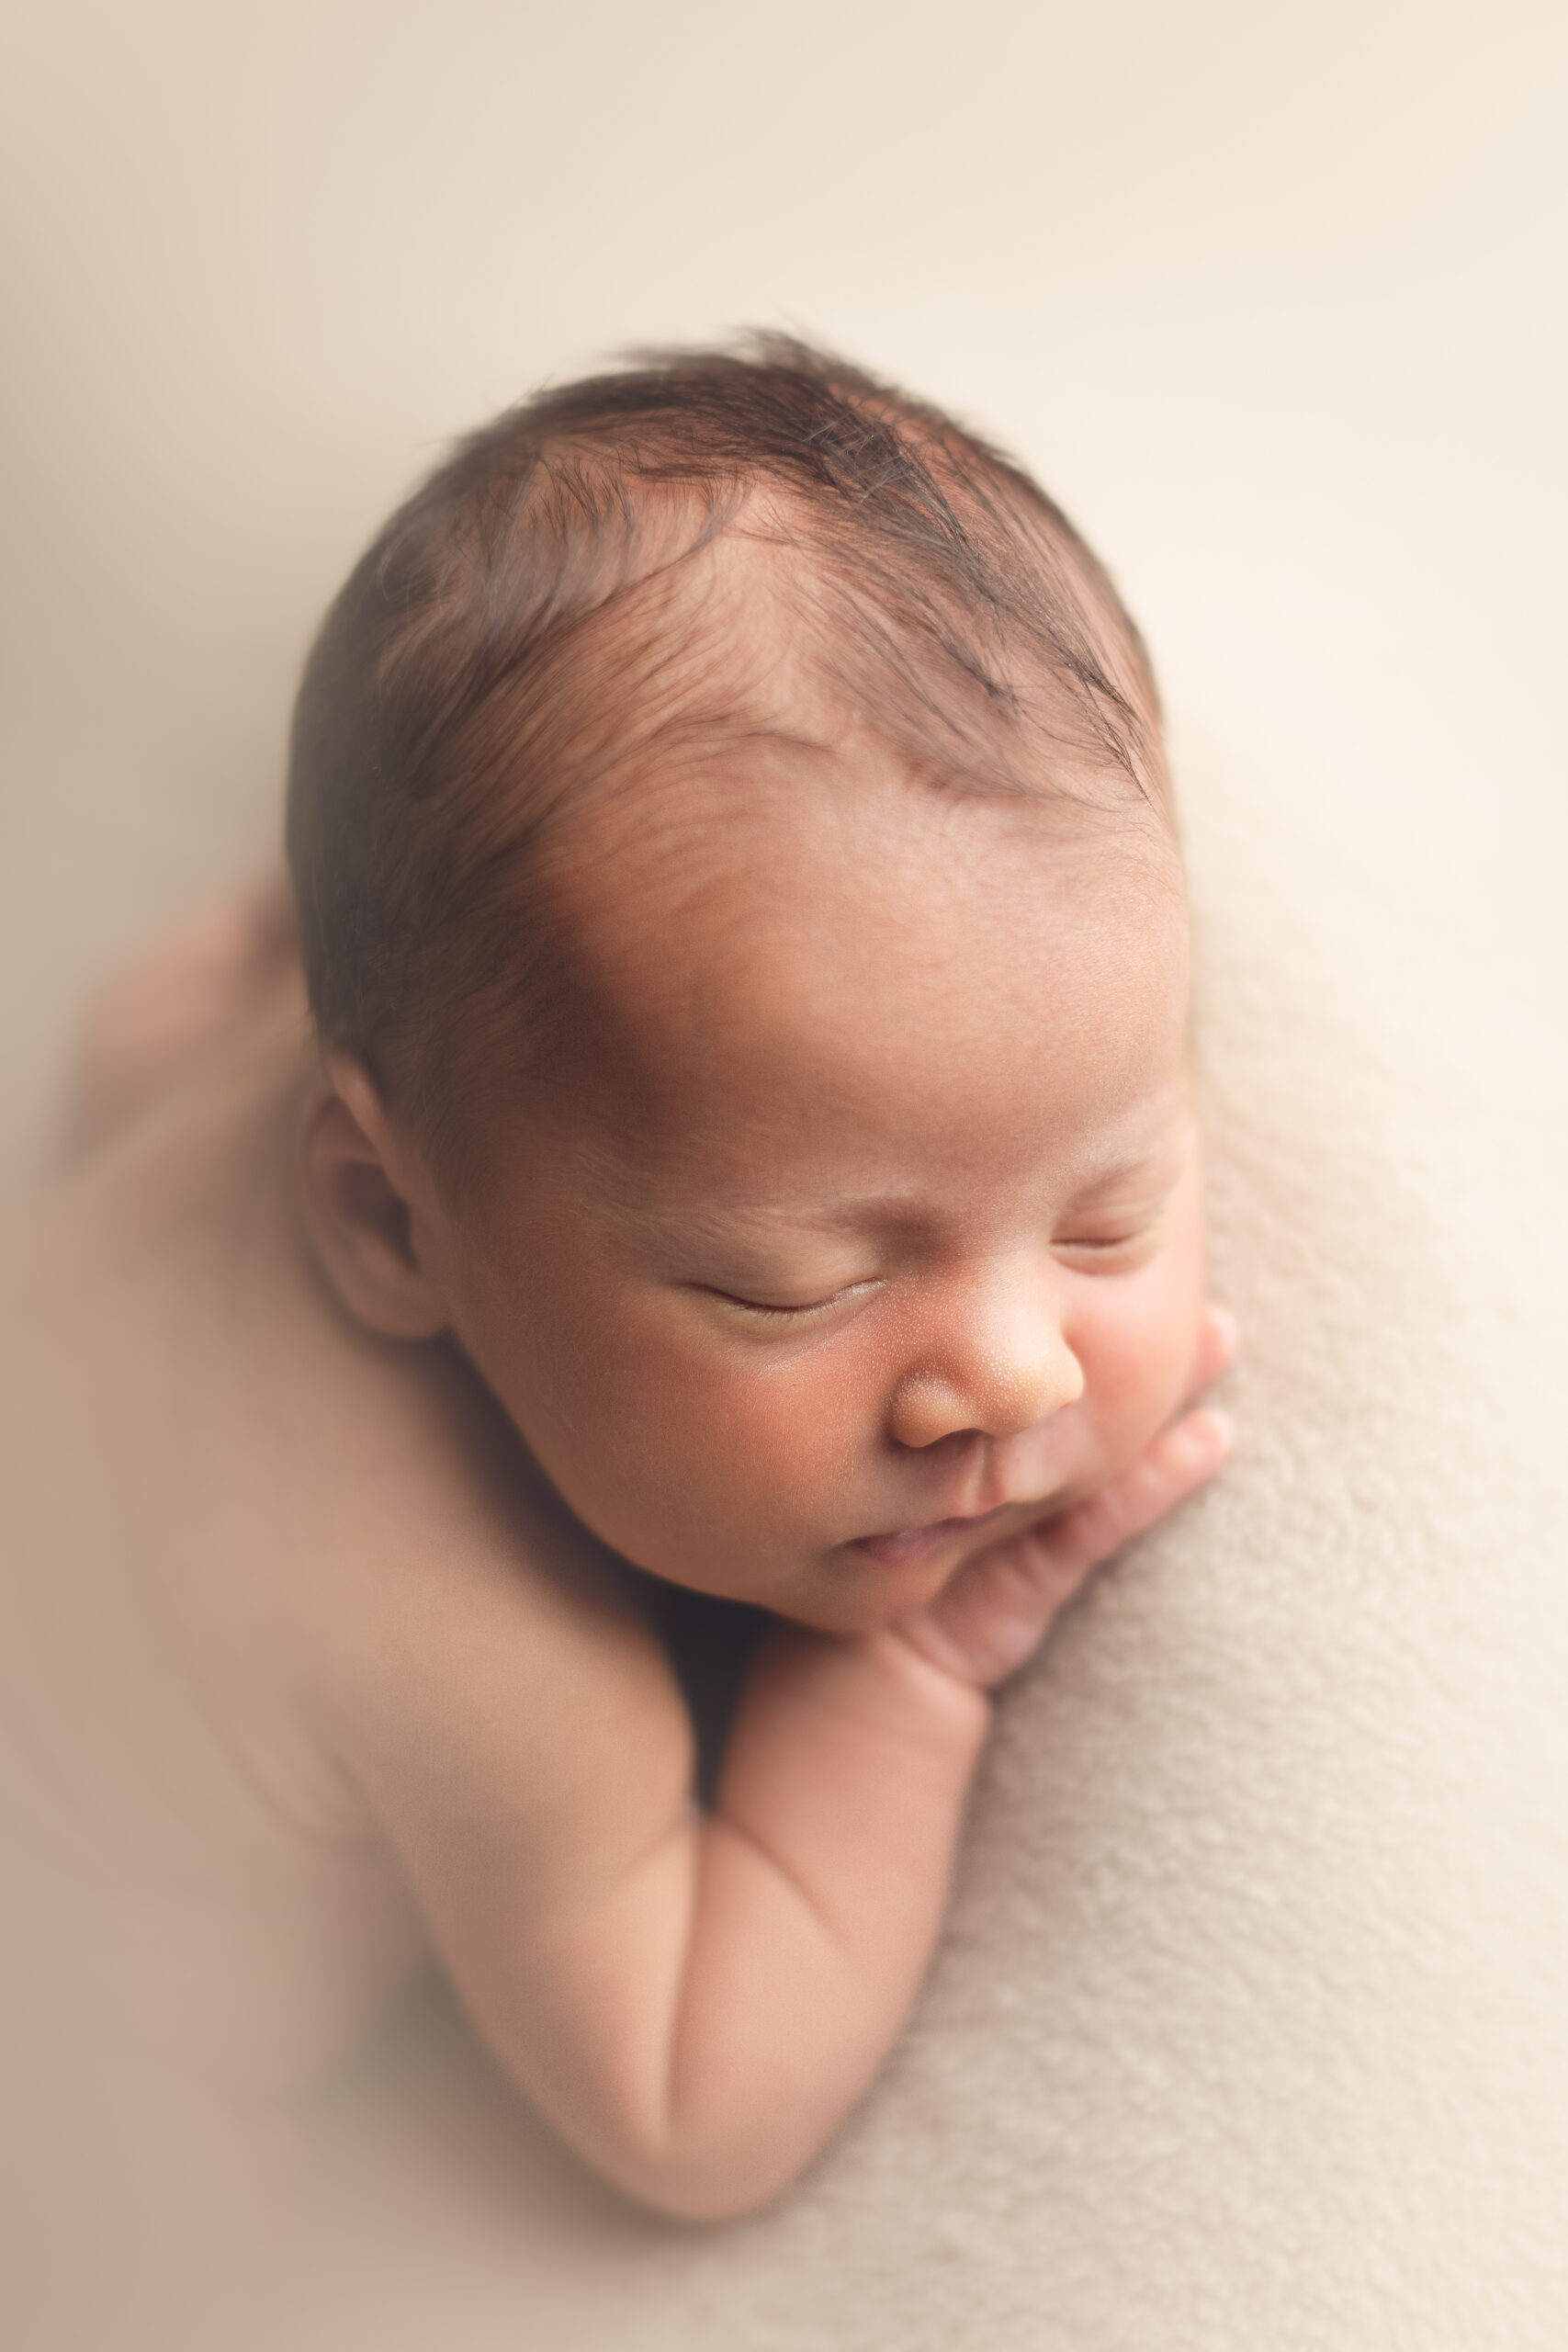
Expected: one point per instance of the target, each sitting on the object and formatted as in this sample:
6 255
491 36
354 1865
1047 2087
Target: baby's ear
373 1237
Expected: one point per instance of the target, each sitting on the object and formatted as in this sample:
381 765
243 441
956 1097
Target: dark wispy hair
518 627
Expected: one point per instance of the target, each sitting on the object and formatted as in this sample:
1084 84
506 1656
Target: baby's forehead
788 816
775 922
775 845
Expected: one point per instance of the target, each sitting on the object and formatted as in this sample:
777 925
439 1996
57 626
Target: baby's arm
824 1872
696 2001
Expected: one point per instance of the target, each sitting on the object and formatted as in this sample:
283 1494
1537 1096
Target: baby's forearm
736 1994
823 1876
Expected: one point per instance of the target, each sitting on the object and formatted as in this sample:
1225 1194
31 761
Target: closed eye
1112 1251
770 1311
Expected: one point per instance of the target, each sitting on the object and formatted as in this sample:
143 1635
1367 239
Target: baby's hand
999 1606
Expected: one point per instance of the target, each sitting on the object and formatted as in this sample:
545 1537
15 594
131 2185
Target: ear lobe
372 1243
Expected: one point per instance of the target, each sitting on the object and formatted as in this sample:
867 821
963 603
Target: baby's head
744 920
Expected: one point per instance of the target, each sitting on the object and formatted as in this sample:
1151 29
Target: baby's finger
999 1607
1216 1345
1182 1458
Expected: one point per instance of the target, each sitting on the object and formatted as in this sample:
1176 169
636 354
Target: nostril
951 1443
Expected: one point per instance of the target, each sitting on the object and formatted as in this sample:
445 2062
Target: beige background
1249 2029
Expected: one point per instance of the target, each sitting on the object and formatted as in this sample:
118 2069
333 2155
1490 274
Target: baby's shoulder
314 1539
451 1595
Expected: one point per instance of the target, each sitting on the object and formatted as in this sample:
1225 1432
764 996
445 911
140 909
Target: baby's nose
997 1370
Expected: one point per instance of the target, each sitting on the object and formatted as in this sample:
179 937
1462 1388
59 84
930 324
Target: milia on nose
996 1395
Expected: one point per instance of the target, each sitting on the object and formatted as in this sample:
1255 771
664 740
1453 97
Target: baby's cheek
789 1434
729 1442
1136 1346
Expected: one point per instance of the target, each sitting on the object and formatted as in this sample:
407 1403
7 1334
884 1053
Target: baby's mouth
905 1545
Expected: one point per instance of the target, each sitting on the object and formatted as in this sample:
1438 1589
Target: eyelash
1101 1247
1110 1246
767 1314
1106 1248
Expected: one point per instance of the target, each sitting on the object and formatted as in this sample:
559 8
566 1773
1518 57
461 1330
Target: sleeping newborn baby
741 1140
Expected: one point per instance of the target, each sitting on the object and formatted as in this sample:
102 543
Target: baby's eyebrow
1156 1162
844 1214
848 1216
1141 1176
1152 1157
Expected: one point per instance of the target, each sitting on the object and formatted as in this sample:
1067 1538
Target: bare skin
151 1020
862 1279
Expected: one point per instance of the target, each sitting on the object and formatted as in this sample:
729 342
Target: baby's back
199 1462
